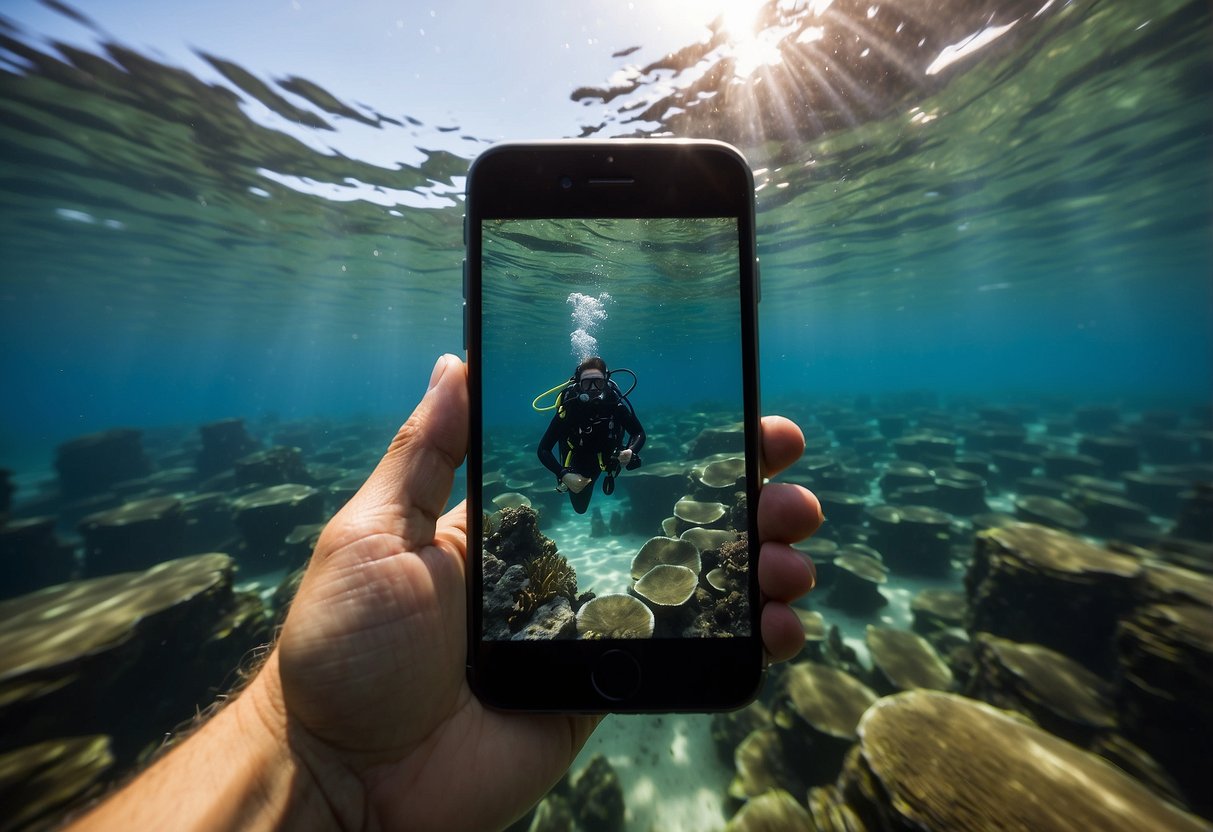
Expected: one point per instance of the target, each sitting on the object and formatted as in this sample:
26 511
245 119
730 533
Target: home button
616 675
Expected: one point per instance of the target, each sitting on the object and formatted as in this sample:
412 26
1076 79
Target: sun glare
759 50
752 45
740 18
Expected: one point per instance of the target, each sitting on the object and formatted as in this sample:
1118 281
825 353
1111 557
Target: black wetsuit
589 435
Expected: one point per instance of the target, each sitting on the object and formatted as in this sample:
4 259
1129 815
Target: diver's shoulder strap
565 399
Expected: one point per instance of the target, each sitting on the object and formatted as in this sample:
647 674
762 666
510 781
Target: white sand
672 778
603 564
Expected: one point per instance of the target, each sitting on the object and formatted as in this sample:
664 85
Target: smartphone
611 294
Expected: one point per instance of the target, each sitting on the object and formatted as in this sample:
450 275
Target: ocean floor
603 564
671 774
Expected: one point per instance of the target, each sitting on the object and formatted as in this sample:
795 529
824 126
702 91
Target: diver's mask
591 387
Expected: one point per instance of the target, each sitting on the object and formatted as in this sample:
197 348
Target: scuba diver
592 416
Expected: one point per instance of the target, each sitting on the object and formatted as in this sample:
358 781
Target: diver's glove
573 481
560 486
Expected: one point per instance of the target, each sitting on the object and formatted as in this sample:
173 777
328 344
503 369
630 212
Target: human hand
367 684
625 456
575 482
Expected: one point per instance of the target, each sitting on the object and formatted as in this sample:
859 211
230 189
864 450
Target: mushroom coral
668 585
659 550
615 616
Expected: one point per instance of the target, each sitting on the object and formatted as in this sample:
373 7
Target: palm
376 672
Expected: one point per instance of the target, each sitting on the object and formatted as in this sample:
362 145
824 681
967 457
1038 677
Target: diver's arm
635 431
550 438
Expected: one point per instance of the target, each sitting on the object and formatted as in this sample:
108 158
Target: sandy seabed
603 564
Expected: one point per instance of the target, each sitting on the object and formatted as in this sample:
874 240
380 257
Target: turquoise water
1038 224
963 213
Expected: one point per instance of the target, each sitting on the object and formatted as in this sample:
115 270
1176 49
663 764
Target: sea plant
547 576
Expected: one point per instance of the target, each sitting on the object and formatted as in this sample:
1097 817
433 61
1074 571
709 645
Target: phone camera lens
566 182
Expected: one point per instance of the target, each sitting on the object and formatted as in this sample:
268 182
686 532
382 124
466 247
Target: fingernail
439 370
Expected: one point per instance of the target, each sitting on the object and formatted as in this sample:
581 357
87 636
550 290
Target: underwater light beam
880 45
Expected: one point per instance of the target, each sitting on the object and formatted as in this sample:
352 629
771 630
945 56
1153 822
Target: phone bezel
621 178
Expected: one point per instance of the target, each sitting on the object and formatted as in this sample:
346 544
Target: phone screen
612 466
657 300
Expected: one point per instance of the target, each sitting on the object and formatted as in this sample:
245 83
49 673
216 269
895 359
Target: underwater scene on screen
614 501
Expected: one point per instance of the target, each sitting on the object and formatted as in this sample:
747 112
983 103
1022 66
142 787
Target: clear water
1002 204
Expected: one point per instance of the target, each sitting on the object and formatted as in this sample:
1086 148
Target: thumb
411 484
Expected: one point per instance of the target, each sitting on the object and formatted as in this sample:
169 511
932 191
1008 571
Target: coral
719 617
516 537
598 797
728 614
547 576
735 559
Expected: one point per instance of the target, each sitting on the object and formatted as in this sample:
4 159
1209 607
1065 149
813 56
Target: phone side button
465 326
616 675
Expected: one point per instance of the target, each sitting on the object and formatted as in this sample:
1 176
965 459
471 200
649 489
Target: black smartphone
613 467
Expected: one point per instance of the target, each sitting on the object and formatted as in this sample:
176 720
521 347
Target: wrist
301 783
247 768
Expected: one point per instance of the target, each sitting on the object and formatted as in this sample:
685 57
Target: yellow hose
555 404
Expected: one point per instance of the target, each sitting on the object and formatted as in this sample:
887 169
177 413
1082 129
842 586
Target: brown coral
515 536
547 576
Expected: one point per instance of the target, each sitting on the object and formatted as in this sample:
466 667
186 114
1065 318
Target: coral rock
273 466
267 516
597 797
929 760
1166 662
143 649
1059 694
40 781
906 661
92 464
774 810
136 535
1035 585
516 537
615 616
552 620
223 443
31 557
